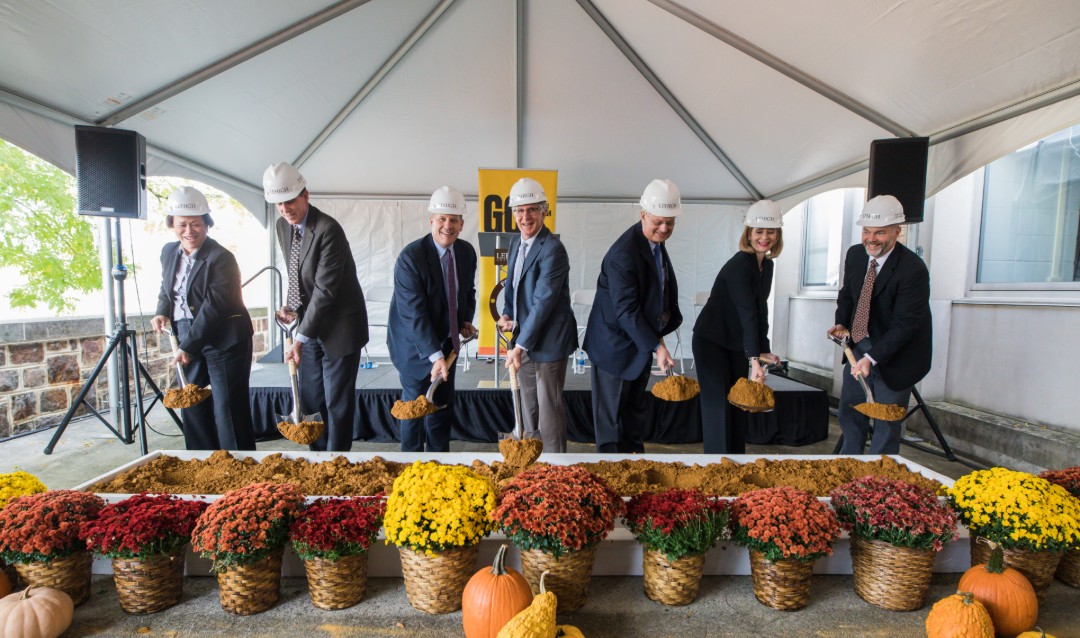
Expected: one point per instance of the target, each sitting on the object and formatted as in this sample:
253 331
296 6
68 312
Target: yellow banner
497 228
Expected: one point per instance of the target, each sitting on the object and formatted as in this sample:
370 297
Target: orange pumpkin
959 616
1037 633
1007 594
492 597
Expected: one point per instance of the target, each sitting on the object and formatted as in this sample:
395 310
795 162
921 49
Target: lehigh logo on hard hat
663 205
283 189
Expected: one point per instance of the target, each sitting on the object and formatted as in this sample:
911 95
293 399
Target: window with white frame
824 239
1030 214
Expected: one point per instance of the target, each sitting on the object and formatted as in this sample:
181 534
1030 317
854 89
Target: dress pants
328 386
619 411
723 426
430 433
222 422
542 401
854 425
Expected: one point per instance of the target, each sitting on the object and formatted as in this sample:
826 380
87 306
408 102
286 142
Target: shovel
753 409
175 398
872 409
676 387
843 342
421 406
517 450
294 418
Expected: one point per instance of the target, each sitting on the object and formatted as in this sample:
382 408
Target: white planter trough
619 555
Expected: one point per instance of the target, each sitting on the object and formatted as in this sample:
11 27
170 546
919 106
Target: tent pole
775 63
616 38
228 62
418 34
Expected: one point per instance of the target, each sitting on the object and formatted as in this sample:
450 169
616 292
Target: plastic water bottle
579 361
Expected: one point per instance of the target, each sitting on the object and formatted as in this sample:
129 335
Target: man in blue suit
537 310
636 304
431 310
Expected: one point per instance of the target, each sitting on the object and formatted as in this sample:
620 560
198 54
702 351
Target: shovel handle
850 356
180 376
513 379
292 364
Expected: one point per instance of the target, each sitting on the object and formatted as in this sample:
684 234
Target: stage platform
801 416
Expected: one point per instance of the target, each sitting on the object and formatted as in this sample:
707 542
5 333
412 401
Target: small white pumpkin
40 612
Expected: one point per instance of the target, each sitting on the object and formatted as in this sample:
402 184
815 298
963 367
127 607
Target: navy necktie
450 272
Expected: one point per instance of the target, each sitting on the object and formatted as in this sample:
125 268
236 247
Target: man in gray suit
537 310
325 295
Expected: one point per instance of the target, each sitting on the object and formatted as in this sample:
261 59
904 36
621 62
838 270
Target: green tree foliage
41 235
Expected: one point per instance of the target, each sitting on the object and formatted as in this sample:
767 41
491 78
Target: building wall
44 364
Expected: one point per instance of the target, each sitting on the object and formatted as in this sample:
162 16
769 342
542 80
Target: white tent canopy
392 98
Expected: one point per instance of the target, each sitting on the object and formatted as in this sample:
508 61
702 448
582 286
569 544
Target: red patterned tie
862 311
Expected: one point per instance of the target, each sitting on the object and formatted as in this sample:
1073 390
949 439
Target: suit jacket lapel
434 267
885 272
170 273
310 228
531 256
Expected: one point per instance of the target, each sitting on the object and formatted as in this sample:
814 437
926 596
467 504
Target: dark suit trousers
854 425
328 386
431 433
222 422
723 426
619 411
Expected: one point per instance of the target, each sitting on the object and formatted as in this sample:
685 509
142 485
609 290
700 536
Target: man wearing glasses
536 309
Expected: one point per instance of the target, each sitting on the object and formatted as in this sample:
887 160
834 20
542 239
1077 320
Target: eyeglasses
528 210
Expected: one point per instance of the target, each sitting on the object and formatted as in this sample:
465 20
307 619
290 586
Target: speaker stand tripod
122 344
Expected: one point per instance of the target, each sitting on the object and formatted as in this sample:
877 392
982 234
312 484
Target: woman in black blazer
732 331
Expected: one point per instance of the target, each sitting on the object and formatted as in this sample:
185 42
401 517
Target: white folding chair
701 297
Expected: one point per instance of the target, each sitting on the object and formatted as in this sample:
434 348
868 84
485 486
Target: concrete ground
616 607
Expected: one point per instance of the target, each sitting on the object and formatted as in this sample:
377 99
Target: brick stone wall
44 364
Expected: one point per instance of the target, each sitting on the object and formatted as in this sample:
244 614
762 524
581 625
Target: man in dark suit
537 310
636 304
431 310
325 295
200 298
885 300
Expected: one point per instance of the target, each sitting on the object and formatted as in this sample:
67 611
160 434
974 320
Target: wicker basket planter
434 584
783 584
1038 567
151 585
673 583
1068 570
336 584
569 577
890 577
70 575
251 589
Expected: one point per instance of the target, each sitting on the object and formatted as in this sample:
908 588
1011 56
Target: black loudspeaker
110 171
898 168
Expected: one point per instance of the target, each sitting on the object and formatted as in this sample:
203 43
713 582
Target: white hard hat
187 202
661 198
526 191
282 183
883 210
447 200
764 213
